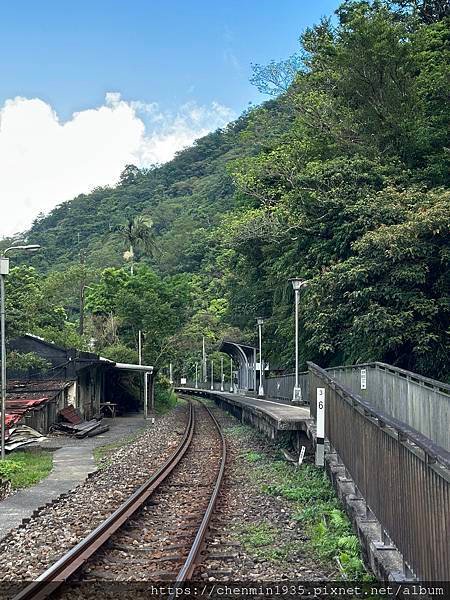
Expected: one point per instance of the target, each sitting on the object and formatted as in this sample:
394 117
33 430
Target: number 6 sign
320 427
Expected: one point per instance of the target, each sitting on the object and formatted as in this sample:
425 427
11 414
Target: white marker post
302 455
363 379
320 432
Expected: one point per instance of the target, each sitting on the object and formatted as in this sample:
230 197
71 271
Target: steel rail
187 570
190 564
68 564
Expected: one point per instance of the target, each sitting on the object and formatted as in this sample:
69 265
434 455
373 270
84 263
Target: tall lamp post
260 322
4 270
297 284
212 374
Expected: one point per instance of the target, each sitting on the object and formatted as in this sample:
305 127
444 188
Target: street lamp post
297 284
4 270
212 374
260 322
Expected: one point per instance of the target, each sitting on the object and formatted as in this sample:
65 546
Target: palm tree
137 233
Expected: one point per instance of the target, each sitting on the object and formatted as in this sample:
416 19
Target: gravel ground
247 517
28 550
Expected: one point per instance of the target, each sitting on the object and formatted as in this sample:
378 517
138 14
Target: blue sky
88 87
169 51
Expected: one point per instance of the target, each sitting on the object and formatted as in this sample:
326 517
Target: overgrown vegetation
341 178
312 503
26 467
165 397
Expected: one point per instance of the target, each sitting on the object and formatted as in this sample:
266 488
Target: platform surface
285 416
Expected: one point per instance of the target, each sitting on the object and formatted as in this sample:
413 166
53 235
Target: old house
84 380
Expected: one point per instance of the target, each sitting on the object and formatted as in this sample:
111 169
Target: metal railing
403 476
420 402
282 386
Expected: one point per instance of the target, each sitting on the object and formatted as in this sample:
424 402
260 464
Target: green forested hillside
341 178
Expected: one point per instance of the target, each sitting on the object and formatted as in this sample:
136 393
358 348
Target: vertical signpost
363 379
320 422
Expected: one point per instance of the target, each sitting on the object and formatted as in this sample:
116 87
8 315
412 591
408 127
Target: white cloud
44 161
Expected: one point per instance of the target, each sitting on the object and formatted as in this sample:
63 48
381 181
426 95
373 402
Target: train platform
269 416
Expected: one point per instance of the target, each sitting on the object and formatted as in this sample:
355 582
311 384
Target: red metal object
70 414
17 408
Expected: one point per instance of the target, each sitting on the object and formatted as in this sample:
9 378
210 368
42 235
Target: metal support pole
170 374
231 376
3 358
261 386
4 270
221 373
140 347
196 375
297 394
152 395
212 374
145 395
254 370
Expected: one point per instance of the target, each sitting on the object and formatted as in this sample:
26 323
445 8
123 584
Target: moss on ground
24 468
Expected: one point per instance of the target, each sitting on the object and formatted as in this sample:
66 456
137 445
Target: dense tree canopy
342 179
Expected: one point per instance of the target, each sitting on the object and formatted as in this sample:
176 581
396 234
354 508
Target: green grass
237 430
26 467
252 456
262 540
313 505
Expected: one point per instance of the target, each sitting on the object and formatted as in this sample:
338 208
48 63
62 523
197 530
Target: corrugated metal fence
402 475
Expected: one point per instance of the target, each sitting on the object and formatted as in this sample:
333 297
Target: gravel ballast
28 550
254 532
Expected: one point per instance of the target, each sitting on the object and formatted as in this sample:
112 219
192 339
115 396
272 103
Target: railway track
158 533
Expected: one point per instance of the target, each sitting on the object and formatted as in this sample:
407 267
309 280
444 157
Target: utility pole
205 373
140 346
82 288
